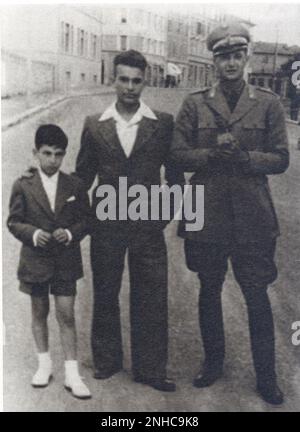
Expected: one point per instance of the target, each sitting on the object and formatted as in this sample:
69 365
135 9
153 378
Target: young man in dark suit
129 140
48 213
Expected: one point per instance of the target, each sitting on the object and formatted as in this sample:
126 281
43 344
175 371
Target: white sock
71 368
45 360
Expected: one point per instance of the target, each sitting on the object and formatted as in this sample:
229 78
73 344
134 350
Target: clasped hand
59 235
228 149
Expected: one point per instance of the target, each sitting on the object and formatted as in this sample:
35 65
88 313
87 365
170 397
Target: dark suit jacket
237 198
101 154
29 209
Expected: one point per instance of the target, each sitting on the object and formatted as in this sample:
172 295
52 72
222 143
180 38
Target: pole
29 63
275 58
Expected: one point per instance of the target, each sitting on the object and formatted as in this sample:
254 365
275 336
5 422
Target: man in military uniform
231 136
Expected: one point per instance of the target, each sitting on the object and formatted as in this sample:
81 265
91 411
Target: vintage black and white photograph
150 207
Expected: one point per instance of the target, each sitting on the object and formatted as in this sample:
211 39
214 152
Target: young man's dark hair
130 58
52 136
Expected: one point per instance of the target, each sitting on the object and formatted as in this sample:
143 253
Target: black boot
263 342
270 392
212 332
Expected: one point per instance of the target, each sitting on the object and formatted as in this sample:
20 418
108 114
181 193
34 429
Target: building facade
201 69
50 48
62 47
142 29
186 43
177 49
266 61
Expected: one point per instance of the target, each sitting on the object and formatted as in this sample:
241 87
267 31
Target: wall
15 71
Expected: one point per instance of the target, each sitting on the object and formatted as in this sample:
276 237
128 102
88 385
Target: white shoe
77 387
42 377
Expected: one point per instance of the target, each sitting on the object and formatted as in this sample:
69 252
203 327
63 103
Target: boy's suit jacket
29 209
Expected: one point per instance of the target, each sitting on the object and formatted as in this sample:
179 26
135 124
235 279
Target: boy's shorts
55 287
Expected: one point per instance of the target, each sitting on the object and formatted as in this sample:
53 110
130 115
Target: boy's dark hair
50 135
130 58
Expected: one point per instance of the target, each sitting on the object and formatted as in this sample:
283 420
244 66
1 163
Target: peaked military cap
228 38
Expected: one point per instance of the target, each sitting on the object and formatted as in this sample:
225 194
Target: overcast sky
270 19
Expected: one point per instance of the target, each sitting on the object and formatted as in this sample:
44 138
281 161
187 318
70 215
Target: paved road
236 390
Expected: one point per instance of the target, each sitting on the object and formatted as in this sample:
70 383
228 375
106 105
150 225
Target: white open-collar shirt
127 130
50 187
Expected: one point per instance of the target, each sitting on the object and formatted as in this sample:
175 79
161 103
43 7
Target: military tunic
237 203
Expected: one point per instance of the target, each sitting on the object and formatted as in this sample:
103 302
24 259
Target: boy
48 214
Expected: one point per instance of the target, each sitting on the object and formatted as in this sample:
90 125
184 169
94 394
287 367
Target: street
236 390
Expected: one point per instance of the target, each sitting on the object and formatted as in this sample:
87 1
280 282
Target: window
62 39
66 37
123 43
173 49
82 76
265 59
95 79
191 71
93 46
202 75
102 71
123 16
199 28
80 42
153 47
86 41
149 74
261 82
157 22
277 88
270 83
72 40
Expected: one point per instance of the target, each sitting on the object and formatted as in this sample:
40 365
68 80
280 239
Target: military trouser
147 259
254 268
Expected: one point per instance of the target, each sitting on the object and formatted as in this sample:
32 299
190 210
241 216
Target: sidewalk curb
33 111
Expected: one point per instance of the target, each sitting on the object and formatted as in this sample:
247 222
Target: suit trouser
147 259
254 268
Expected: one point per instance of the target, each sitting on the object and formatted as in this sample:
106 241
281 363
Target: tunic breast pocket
253 135
207 133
